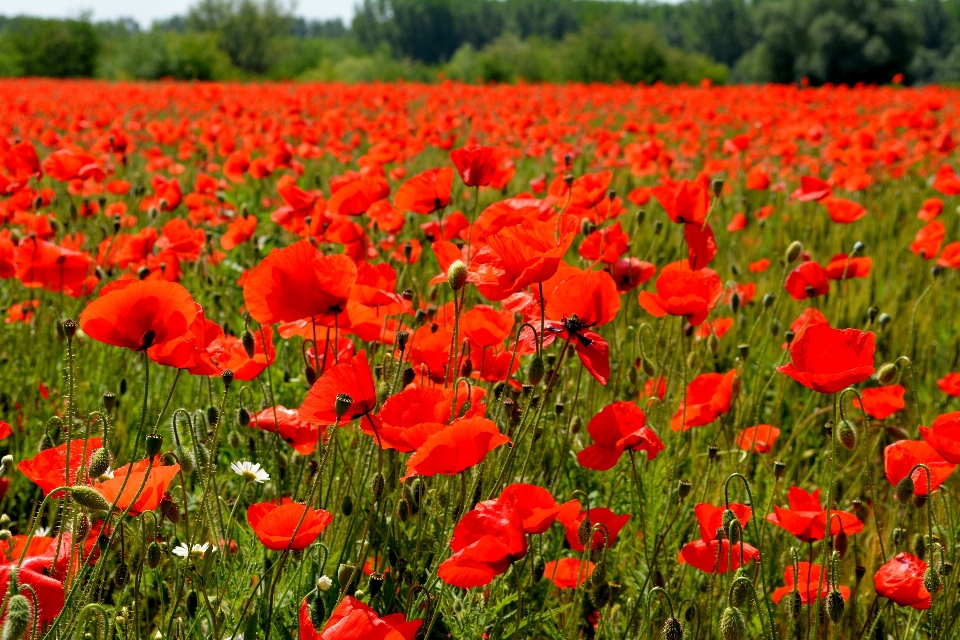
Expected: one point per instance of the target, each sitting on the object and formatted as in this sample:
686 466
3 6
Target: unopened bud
249 343
89 498
887 373
793 252
99 463
457 275
847 434
732 625
904 490
535 370
834 606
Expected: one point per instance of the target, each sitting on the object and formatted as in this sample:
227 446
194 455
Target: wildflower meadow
396 361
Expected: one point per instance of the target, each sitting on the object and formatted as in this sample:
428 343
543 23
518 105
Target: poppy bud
583 531
90 498
658 579
345 573
639 216
18 618
99 463
793 252
744 349
193 603
647 366
712 451
713 343
717 185
153 555
735 269
170 509
768 300
840 544
683 488
457 275
835 606
539 566
121 575
904 490
4 521
575 424
109 400
735 302
213 415
154 444
46 442
741 589
346 505
600 596
568 178
859 571
403 510
383 392
243 417
732 526
375 584
408 376
872 313
936 271
185 458
884 319
81 526
898 534
931 580
657 227
732 625
858 509
919 546
535 370
376 486
847 435
227 376
103 542
317 612
249 344
342 405
887 373
672 630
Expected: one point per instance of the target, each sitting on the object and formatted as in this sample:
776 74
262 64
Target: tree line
838 41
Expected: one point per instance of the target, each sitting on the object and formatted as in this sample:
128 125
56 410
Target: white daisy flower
250 471
42 532
196 551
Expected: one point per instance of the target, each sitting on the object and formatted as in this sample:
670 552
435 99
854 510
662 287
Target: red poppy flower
139 314
275 524
807 318
807 519
738 222
619 427
571 519
708 397
478 165
485 326
902 456
901 579
701 245
842 267
519 256
812 189
486 541
302 436
927 242
357 196
950 384
48 469
711 555
158 479
808 583
655 387
605 245
807 280
718 327
195 351
759 439
353 620
630 273
426 192
882 402
950 256
687 201
408 418
759 266
757 179
38 263
235 358
537 508
466 442
843 211
352 378
36 573
299 282
72 164
568 573
240 230
828 360
946 181
932 207
5 430
683 292
944 436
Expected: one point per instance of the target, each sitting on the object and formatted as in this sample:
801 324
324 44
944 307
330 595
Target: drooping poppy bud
457 275
732 624
89 498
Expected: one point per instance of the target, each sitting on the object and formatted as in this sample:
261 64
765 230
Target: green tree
247 29
52 48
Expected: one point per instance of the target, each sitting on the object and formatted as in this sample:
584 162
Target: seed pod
884 319
672 630
18 618
154 555
317 612
109 401
768 300
732 624
99 463
342 404
249 343
193 603
683 488
154 444
834 606
89 498
375 584
539 566
779 468
712 451
931 580
847 434
345 574
904 490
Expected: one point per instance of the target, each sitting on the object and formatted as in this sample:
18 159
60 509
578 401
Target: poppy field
404 361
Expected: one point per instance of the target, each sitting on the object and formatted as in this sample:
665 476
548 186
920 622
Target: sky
146 11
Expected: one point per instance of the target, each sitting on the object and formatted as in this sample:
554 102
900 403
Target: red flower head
701 245
537 508
883 402
408 418
571 520
299 282
466 442
683 292
711 555
300 435
195 351
567 573
759 439
158 479
605 245
950 384
932 207
235 358
807 318
48 469
807 280
43 264
619 427
901 580
812 189
687 201
828 360
807 519
708 397
353 620
477 165
807 584
426 192
944 436
519 256
927 242
843 211
276 525
486 541
351 378
138 314
843 267
357 196
36 573
902 456
629 273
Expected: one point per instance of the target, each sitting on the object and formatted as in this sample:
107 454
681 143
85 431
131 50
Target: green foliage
155 54
246 30
52 48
